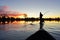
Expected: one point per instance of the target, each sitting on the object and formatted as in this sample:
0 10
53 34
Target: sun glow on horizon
51 16
21 17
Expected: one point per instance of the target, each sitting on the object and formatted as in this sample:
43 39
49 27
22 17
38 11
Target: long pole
46 12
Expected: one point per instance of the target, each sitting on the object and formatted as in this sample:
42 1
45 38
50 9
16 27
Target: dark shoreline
28 19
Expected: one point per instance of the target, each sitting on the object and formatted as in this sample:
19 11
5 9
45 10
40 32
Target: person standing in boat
41 16
41 20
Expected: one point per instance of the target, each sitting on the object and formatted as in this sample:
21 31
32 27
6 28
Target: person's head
40 13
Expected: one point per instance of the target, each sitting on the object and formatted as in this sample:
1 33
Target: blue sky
34 7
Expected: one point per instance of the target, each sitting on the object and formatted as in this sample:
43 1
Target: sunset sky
33 7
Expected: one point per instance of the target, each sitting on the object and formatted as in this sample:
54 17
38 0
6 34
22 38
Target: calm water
20 30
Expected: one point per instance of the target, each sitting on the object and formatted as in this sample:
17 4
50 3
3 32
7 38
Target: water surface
21 30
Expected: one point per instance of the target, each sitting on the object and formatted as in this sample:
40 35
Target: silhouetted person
41 20
41 15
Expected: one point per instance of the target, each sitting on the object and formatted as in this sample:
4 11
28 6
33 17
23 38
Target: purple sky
34 7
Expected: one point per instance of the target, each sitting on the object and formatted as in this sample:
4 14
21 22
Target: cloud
4 10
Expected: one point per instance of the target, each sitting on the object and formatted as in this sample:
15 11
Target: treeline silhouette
52 19
4 18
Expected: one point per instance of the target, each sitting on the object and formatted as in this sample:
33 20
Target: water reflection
23 30
6 22
41 25
41 34
14 25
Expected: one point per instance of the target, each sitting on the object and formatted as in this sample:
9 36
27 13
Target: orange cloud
4 12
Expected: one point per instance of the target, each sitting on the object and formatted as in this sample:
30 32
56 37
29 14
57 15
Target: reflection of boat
41 35
31 24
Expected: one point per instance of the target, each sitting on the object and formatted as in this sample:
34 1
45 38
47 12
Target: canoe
41 35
